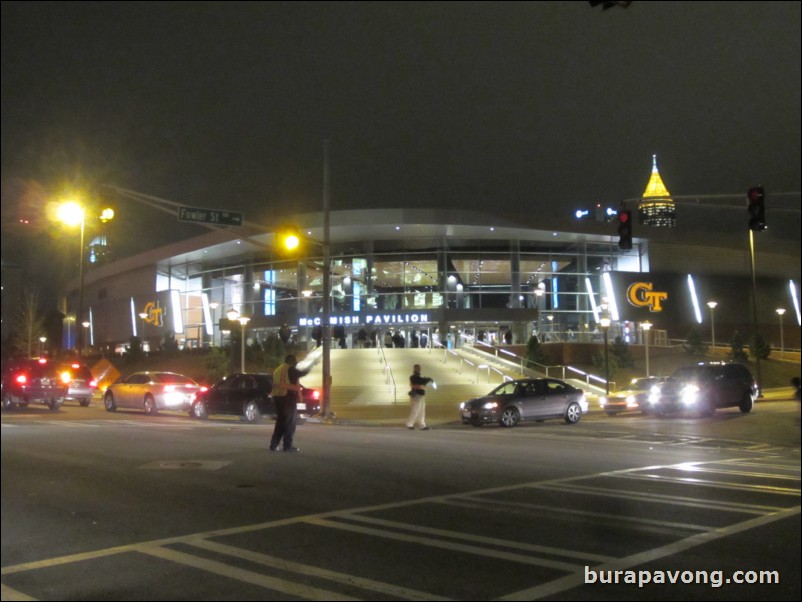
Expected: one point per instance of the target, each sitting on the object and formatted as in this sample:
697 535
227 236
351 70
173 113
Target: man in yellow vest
286 390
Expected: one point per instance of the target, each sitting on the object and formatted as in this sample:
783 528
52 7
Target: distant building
656 207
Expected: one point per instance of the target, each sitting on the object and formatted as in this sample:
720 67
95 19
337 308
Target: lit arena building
445 276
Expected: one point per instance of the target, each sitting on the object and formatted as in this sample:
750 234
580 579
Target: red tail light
21 379
315 394
93 383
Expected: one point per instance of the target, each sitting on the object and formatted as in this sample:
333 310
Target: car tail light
316 394
93 383
203 389
169 388
42 360
21 379
75 366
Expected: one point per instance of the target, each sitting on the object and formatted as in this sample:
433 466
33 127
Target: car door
217 397
530 397
240 393
557 396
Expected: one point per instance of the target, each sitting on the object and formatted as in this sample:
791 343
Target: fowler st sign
209 216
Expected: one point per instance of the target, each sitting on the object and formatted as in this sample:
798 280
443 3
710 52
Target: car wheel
251 412
510 417
84 402
108 401
8 402
150 406
54 404
747 403
200 410
612 413
573 413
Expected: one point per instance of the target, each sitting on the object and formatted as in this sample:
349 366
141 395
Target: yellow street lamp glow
288 238
71 213
107 215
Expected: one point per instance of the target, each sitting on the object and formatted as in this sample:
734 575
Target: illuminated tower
656 207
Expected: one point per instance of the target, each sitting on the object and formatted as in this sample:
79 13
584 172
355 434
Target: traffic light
288 239
757 208
624 229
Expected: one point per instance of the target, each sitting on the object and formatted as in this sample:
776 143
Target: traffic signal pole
326 326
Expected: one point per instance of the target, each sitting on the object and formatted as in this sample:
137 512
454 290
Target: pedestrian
286 391
417 400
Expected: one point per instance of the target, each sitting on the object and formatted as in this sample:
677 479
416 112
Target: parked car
28 381
633 398
247 395
527 399
704 388
82 385
151 392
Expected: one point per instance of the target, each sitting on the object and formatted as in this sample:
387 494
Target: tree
31 324
758 348
737 352
620 351
694 343
216 364
535 352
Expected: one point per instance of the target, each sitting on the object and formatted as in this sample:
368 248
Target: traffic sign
210 216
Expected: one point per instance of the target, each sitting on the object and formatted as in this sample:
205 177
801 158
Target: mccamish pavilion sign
368 319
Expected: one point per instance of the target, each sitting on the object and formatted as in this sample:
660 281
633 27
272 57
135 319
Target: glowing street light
712 306
73 214
605 323
233 315
781 313
646 327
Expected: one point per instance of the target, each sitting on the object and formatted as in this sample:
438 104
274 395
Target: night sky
524 106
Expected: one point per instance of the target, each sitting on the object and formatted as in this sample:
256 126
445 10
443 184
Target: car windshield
692 373
645 384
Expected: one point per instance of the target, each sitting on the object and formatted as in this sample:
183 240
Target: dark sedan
249 396
527 399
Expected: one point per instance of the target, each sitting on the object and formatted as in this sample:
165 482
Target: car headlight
690 395
632 401
462 406
491 405
602 401
583 403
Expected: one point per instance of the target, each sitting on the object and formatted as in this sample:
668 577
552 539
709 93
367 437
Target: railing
389 379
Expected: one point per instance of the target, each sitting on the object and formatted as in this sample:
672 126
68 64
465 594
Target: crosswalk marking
294 580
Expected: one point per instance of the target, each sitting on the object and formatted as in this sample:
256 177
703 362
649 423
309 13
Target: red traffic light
757 208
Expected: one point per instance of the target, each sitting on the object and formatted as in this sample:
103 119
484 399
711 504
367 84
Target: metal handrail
389 379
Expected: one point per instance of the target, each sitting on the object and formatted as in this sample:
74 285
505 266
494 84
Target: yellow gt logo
640 294
154 313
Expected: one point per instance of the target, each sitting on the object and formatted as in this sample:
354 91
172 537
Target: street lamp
233 315
42 341
86 324
712 306
605 322
73 214
646 327
781 312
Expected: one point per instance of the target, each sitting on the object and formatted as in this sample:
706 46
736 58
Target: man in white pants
417 400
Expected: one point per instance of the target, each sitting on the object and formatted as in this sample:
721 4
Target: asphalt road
122 506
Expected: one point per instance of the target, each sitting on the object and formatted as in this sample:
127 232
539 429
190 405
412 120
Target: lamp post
781 312
646 327
42 341
712 306
73 214
86 324
605 322
233 315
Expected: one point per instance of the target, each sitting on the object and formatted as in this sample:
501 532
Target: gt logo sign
640 294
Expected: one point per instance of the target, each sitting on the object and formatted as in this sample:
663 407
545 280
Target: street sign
210 216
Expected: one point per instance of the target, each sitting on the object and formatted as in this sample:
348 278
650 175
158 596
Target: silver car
151 392
527 399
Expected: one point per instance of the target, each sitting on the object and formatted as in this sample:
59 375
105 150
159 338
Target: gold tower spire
656 207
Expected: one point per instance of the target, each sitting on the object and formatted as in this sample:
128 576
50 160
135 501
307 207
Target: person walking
417 399
286 390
